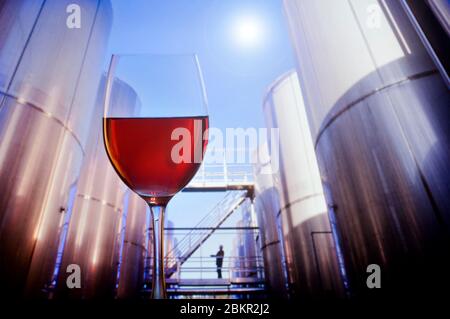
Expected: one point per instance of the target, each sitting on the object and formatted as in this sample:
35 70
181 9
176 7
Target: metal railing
235 270
222 173
242 277
211 221
242 270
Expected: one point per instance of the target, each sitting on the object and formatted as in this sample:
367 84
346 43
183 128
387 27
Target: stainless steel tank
310 253
233 262
378 111
239 254
93 238
133 252
441 9
148 258
243 259
169 239
48 80
251 253
99 215
267 206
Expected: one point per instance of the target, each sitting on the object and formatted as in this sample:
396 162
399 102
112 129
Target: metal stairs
192 241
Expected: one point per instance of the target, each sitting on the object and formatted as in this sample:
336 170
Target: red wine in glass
142 152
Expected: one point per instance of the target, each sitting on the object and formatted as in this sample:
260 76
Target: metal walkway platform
218 187
222 177
216 292
215 282
214 287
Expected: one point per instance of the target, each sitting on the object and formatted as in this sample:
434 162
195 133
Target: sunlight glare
248 31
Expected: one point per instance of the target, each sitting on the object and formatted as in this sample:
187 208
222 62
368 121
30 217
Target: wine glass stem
158 277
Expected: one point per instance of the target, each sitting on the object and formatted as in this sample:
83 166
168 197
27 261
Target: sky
242 46
237 70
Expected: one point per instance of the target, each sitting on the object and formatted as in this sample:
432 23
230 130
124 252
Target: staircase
189 244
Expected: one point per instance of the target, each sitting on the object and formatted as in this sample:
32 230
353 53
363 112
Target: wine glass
155 129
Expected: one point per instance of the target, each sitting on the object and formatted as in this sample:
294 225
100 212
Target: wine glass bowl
144 154
156 146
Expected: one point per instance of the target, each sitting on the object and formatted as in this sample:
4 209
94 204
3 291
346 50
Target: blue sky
236 75
237 70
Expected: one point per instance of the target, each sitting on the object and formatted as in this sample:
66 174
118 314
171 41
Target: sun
248 31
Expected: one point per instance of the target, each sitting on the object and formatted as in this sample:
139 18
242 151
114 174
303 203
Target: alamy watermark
232 146
74 279
374 15
374 279
73 20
